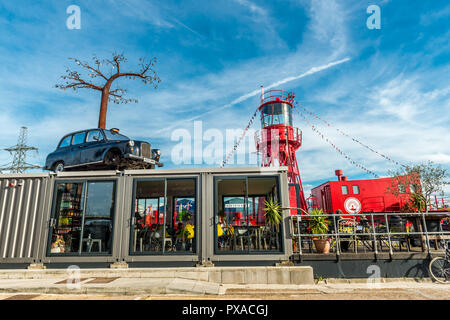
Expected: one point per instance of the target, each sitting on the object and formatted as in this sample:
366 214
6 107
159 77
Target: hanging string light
348 136
320 134
236 145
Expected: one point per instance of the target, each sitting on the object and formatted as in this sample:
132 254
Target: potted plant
184 217
318 224
273 219
273 213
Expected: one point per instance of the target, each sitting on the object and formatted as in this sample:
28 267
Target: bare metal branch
74 80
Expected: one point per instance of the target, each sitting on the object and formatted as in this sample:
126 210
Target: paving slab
229 281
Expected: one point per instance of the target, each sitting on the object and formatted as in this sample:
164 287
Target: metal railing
292 134
272 95
437 203
370 230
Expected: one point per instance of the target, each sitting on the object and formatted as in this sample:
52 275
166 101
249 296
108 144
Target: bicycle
439 267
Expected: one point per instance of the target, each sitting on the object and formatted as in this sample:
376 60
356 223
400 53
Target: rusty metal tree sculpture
74 80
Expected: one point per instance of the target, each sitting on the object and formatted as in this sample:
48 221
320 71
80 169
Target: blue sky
393 92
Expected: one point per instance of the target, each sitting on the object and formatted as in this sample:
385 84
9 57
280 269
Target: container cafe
143 217
190 217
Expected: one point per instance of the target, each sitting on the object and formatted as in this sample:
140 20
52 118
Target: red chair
237 218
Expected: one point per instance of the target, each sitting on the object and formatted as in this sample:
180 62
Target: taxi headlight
131 143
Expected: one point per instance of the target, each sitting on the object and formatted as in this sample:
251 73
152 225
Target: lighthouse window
344 190
355 189
276 113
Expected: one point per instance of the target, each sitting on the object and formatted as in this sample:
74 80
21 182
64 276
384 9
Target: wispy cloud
430 17
252 6
256 92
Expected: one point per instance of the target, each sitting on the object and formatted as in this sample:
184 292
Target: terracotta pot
322 246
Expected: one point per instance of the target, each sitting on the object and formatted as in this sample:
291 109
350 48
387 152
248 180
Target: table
250 231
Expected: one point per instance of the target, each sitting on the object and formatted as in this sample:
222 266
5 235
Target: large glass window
164 216
82 217
242 223
276 113
344 189
355 189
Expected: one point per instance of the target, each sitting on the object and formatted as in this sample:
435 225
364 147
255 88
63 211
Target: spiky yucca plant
273 212
318 224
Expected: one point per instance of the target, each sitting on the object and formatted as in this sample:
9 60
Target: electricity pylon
19 153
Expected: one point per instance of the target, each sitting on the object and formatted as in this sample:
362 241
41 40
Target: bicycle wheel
440 269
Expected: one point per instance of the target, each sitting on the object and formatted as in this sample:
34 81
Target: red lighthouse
278 140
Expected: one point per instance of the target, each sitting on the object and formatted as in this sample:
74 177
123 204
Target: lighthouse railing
274 95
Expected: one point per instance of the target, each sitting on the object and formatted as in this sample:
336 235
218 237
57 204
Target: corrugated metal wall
21 212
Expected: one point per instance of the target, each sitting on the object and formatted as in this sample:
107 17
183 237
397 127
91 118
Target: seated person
220 233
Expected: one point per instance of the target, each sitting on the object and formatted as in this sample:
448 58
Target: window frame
85 182
163 252
64 138
248 251
286 114
88 132
106 132
73 138
346 188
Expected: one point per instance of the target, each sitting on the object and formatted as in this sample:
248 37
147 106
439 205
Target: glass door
164 217
149 216
243 223
98 217
232 215
82 221
67 222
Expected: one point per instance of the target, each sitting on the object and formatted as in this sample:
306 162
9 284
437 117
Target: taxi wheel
58 167
112 159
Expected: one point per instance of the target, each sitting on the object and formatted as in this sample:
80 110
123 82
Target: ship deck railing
373 233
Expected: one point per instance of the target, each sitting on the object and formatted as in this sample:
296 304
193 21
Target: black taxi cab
101 148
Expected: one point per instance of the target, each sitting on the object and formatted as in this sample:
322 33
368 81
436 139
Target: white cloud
253 7
256 92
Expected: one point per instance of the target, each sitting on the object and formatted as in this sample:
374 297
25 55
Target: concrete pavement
385 291
206 283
